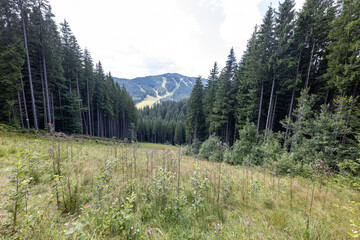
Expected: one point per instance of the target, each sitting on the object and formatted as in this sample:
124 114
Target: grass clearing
94 189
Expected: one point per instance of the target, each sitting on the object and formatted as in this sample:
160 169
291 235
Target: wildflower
86 206
149 232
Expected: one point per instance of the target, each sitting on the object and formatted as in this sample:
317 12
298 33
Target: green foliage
248 147
166 198
19 189
162 186
212 149
199 188
163 122
195 117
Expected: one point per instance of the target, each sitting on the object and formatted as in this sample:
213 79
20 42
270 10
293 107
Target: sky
136 38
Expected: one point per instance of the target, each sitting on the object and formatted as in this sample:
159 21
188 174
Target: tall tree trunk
260 107
60 105
45 73
88 103
309 67
273 113
268 119
47 89
20 109
289 116
79 101
92 121
25 105
44 98
29 69
53 112
98 121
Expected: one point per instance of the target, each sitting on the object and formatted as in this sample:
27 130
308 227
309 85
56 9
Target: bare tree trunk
98 121
20 109
29 68
25 105
260 106
85 123
273 113
88 103
60 105
289 116
309 67
79 101
53 112
45 75
92 122
268 119
44 98
47 89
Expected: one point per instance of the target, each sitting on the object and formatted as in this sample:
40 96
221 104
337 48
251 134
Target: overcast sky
135 38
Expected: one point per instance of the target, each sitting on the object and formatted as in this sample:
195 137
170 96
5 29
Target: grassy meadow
81 188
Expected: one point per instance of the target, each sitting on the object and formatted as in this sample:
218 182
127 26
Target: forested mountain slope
149 90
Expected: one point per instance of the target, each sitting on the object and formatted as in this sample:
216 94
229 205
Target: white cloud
142 37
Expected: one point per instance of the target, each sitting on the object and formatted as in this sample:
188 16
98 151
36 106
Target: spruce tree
195 118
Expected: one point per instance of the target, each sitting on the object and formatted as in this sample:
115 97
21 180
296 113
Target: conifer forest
268 147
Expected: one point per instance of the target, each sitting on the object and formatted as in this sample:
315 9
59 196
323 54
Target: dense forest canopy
47 80
295 90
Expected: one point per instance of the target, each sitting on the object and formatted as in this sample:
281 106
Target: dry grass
258 206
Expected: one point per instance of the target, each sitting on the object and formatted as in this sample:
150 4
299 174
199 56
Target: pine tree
195 118
222 111
209 94
343 70
247 84
12 56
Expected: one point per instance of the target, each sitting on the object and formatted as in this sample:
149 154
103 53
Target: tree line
47 80
162 123
299 76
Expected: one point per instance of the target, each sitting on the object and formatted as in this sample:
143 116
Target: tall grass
101 190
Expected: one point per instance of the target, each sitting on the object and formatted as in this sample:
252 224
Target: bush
247 147
193 149
211 149
286 163
271 148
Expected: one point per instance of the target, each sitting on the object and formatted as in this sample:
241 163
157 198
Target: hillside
84 188
149 90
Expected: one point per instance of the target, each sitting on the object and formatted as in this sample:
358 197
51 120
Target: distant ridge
149 90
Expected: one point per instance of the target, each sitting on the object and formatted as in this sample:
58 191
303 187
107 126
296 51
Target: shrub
211 149
247 147
193 149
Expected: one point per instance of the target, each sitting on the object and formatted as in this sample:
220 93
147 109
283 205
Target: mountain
149 90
